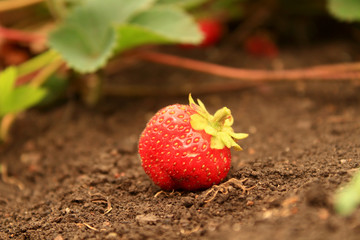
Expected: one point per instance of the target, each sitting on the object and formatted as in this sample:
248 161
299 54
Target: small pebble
146 219
249 203
342 161
112 235
59 237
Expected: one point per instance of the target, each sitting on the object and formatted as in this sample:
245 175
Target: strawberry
212 31
185 147
261 45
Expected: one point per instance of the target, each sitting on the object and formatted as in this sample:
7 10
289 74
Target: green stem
37 62
43 75
5 125
220 116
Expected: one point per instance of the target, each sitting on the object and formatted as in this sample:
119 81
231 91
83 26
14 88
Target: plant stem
325 72
42 76
21 36
37 63
5 125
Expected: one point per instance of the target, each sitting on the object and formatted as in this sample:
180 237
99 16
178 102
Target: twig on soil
10 180
104 200
92 228
108 208
224 188
172 193
14 4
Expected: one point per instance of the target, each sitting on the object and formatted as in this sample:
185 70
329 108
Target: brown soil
82 177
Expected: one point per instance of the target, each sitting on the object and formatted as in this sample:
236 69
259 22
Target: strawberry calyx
217 125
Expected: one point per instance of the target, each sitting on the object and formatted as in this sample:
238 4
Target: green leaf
81 49
170 23
13 99
181 3
87 38
347 10
119 11
7 82
348 199
158 25
23 98
132 36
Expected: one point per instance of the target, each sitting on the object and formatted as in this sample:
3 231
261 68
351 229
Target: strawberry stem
218 126
220 116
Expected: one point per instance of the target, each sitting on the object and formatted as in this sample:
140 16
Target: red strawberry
184 147
261 45
212 31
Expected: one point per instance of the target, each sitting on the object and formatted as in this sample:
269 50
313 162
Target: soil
76 173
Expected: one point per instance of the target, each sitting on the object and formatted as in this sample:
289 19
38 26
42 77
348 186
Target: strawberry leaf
81 49
13 99
85 40
347 10
23 98
87 37
133 35
158 25
119 11
170 22
7 82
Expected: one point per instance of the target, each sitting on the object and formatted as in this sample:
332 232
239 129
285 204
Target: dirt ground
78 175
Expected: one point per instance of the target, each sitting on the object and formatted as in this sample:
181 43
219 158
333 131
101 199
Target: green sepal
217 125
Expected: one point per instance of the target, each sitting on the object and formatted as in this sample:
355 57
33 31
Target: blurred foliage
347 199
347 10
15 99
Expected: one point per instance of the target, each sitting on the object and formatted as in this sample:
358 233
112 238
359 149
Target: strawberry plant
93 32
89 34
185 147
15 99
261 45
